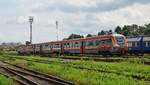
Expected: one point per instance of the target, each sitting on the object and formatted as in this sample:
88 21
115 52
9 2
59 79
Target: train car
48 48
138 44
26 49
45 48
72 46
105 44
146 44
37 48
135 44
56 47
21 49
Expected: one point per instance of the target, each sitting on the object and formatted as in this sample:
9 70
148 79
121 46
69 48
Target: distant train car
138 44
135 44
44 48
37 48
73 46
26 49
21 49
146 44
56 47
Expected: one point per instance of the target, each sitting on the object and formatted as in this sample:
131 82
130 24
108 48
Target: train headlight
116 47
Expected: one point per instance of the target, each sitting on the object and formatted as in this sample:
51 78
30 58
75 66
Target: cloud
73 6
74 16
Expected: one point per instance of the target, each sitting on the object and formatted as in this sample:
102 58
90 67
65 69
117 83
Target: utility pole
57 29
31 21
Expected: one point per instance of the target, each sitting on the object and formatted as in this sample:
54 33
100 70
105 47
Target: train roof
134 39
146 38
76 40
95 37
137 38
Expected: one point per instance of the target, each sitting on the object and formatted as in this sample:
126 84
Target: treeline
133 30
127 30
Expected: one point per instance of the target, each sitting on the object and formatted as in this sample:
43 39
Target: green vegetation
126 71
100 73
5 81
133 30
80 76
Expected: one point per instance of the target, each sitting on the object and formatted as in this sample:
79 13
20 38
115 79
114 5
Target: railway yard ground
73 70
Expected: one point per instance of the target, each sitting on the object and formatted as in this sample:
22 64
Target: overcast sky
74 16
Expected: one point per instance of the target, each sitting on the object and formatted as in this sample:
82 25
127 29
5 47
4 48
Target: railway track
29 77
98 70
90 69
105 59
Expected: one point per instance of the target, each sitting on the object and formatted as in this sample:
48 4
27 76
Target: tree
109 32
74 36
118 30
102 32
89 35
147 29
134 30
125 30
142 30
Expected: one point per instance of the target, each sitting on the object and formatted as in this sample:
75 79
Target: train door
141 44
40 48
62 48
82 47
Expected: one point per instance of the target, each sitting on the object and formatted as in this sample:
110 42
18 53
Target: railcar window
57 45
138 44
71 44
144 43
64 44
149 44
46 45
133 44
106 41
84 43
129 44
97 42
76 44
68 44
120 40
90 43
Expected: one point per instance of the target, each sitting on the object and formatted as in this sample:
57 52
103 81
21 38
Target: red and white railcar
104 44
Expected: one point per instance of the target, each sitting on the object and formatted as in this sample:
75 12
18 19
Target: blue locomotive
138 44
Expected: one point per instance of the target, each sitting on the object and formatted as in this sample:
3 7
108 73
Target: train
138 44
113 44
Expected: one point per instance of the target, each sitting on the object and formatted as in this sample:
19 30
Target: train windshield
120 40
107 41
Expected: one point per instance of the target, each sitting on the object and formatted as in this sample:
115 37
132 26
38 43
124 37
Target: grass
130 67
127 68
80 76
124 68
5 81
101 73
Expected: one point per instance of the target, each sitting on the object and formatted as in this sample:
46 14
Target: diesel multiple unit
101 45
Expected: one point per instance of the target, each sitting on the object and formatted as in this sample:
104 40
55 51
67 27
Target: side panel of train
139 44
109 44
97 45
72 46
146 44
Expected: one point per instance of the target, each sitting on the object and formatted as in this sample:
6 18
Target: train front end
120 45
